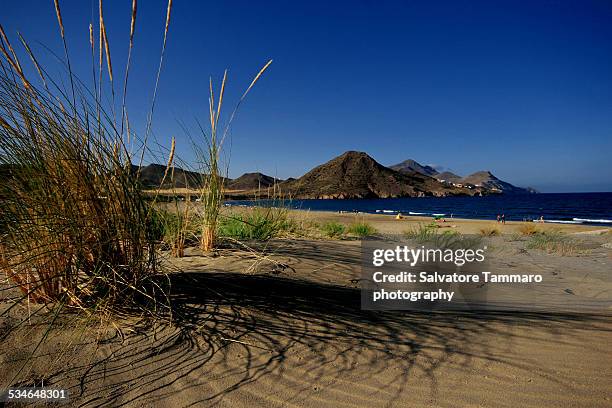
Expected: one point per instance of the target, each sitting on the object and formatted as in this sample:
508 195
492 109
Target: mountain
357 175
151 177
487 180
410 165
448 177
251 181
482 179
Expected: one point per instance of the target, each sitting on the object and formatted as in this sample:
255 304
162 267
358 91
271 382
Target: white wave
438 215
601 221
416 213
560 221
389 211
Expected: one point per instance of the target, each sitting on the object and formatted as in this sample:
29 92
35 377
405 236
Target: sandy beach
279 324
388 224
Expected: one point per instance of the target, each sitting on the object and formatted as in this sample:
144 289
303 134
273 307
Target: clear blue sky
523 88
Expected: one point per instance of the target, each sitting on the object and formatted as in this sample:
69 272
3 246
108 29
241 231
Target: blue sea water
575 208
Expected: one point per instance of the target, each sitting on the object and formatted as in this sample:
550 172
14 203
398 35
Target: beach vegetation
554 242
422 232
77 227
175 229
430 234
528 229
260 224
361 229
333 229
489 232
515 237
212 191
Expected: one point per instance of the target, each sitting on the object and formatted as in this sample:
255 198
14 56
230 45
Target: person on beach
498 218
541 219
503 218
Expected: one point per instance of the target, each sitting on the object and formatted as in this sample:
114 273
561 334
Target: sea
563 208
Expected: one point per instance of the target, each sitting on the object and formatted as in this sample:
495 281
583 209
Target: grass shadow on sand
286 338
235 329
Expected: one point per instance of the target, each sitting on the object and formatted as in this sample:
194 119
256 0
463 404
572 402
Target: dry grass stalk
161 62
127 70
211 194
170 161
61 26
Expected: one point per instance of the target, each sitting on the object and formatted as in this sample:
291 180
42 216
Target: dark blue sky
523 88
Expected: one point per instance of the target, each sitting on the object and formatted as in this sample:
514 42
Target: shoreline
387 223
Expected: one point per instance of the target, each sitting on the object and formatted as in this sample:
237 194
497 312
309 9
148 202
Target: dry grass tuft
528 229
76 228
489 232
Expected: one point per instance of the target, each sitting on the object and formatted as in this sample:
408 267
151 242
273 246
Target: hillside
487 180
357 175
482 179
251 181
448 177
408 166
151 177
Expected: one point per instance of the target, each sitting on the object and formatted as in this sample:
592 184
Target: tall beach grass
76 227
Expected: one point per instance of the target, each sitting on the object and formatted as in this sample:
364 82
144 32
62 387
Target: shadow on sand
230 330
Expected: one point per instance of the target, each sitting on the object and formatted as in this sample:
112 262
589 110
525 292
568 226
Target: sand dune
250 332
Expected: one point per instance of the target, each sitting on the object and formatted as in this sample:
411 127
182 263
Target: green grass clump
554 242
430 235
333 229
361 229
260 225
422 233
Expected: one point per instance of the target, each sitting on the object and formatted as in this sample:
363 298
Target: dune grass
528 229
422 232
361 229
174 228
554 242
430 234
78 227
77 230
489 232
260 224
333 229
211 194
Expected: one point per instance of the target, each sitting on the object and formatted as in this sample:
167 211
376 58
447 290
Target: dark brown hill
357 175
252 181
151 176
